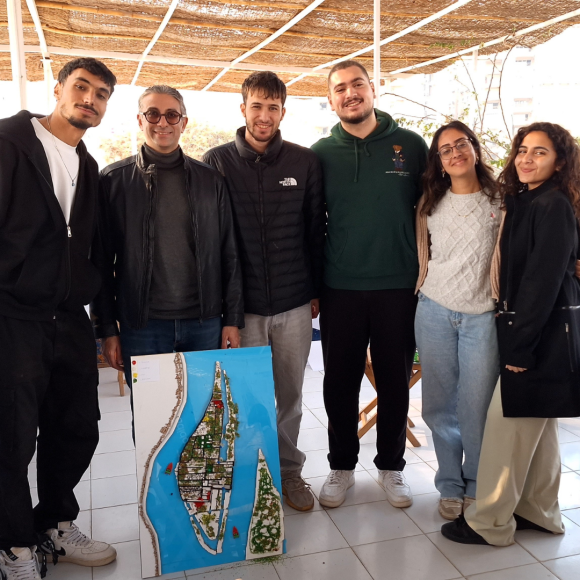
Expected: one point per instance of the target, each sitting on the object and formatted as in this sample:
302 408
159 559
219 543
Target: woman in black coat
539 342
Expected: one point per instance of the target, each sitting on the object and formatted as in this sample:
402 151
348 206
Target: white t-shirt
61 180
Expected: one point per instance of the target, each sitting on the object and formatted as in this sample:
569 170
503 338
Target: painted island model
207 459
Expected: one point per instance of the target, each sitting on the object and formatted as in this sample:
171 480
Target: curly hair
435 185
567 152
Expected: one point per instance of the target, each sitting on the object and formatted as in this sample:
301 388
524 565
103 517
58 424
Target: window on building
524 61
523 103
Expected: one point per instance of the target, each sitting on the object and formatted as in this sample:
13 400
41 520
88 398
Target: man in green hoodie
372 179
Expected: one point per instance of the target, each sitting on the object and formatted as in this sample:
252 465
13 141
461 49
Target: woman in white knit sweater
458 219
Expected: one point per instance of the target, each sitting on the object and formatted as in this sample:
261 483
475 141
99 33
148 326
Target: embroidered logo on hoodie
288 181
399 160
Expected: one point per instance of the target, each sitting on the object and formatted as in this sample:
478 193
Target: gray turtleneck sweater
174 292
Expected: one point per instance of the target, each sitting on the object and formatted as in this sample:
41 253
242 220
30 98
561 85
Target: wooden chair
368 418
103 364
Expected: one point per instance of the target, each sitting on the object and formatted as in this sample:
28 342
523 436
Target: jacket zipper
263 232
147 252
196 238
507 286
68 231
569 341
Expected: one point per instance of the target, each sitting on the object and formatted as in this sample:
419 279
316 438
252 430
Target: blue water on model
252 388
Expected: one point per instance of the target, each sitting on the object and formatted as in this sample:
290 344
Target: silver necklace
73 180
475 206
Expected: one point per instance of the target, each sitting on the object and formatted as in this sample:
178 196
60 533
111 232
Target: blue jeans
164 336
460 367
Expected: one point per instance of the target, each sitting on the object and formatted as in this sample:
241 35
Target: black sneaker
460 532
523 524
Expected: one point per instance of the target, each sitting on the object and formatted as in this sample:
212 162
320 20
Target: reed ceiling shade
207 35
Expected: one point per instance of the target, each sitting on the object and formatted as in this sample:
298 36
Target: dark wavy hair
435 185
567 152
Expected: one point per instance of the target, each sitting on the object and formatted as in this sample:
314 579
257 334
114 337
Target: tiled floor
365 539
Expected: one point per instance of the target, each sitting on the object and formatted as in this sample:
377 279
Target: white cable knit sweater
463 230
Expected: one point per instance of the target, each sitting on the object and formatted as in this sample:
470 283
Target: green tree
197 138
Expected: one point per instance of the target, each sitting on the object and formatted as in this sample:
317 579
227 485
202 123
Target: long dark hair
567 152
435 185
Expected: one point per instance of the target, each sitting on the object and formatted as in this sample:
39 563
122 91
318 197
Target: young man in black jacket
279 214
48 195
166 247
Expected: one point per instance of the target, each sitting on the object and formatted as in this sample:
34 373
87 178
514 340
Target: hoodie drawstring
367 153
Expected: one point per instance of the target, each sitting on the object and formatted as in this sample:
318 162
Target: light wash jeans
290 335
460 367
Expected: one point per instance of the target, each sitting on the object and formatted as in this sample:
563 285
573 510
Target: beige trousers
519 472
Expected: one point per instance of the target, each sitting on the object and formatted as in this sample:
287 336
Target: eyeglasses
153 117
447 152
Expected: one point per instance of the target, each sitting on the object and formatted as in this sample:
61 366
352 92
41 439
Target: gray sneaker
19 564
298 494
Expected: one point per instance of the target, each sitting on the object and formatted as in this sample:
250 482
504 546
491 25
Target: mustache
87 107
353 100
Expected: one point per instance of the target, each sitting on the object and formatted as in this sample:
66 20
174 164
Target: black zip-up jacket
280 218
123 250
44 263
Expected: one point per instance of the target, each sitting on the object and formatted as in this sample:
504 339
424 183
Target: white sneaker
73 546
19 564
397 490
333 491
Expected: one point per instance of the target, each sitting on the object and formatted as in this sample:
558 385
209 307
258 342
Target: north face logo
288 181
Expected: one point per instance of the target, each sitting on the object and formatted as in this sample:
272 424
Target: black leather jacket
123 248
280 219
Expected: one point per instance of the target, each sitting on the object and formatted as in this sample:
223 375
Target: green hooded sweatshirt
372 186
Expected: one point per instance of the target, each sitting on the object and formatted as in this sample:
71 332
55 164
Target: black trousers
349 320
48 384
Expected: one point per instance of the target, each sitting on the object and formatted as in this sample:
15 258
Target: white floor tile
565 436
309 373
66 571
311 533
127 566
420 427
113 402
83 495
370 437
32 474
84 522
313 439
434 465
415 402
529 572
309 421
313 384
565 568
573 515
115 421
569 495
572 425
570 455
565 469
427 451
414 558
413 412
372 522
415 392
113 464
248 572
476 559
113 491
87 474
320 414
116 524
368 452
424 512
313 400
288 511
549 546
335 565
112 441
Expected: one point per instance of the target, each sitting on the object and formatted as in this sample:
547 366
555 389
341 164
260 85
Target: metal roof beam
17 59
517 34
404 32
268 40
160 30
46 66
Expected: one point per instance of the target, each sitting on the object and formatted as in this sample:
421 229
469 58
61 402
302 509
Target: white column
377 52
14 11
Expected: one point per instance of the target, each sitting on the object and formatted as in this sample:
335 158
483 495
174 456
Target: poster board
208 469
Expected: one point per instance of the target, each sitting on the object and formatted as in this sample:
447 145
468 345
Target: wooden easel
368 418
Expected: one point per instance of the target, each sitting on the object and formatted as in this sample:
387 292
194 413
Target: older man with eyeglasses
165 247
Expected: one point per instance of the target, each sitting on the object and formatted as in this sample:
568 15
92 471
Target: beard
79 123
258 137
360 118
